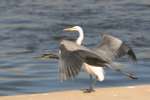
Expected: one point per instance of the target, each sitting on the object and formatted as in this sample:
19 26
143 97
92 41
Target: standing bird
72 57
90 69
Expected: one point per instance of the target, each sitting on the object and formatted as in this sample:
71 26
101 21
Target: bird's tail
119 68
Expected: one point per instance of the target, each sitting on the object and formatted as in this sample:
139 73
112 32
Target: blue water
27 28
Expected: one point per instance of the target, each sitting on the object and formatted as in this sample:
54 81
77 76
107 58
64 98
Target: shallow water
27 28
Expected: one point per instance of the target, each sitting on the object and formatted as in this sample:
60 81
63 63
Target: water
27 28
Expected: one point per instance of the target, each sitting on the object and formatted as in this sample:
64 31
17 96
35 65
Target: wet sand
114 93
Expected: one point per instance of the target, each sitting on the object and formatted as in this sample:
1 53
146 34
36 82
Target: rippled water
27 28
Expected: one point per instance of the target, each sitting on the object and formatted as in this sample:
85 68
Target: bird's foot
88 90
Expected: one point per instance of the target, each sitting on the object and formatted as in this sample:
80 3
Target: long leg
92 84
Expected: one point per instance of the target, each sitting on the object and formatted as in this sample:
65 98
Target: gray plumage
108 45
115 48
50 55
125 49
72 57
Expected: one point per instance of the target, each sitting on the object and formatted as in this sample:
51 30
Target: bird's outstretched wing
72 56
126 50
69 64
115 47
50 55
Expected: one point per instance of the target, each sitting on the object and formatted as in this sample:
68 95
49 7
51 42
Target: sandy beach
114 93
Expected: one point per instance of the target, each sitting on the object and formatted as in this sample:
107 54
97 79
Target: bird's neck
81 37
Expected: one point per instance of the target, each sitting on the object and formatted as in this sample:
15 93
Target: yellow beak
69 29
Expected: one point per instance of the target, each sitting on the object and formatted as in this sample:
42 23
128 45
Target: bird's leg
92 83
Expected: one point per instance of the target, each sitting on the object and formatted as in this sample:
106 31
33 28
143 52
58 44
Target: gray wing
115 47
69 64
72 56
126 50
50 55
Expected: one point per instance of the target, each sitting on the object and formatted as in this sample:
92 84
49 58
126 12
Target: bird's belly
93 70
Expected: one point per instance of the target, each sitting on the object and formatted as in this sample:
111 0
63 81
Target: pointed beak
69 30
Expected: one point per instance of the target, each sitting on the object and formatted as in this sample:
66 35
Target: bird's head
79 30
73 29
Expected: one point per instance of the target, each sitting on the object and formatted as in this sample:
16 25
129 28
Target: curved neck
81 37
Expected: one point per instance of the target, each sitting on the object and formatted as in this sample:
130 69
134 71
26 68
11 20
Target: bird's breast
94 70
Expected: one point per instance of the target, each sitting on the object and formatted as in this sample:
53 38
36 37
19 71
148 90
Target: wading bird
72 57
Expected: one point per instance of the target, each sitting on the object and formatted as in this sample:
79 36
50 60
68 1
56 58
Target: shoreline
140 92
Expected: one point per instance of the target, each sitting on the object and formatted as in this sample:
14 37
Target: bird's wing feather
50 55
69 64
72 57
115 47
110 45
126 50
